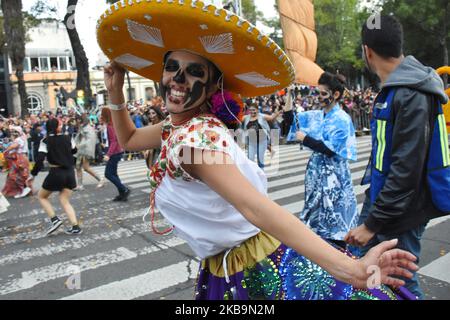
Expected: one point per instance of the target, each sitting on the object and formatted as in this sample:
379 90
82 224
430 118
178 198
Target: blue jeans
111 172
408 241
258 150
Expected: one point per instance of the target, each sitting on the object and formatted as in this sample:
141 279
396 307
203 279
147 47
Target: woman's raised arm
130 138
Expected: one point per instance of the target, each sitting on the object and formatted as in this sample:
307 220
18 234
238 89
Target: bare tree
15 42
81 60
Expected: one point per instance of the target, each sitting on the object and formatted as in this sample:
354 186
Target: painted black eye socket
172 66
196 70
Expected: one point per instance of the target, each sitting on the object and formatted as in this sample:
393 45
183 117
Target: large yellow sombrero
138 33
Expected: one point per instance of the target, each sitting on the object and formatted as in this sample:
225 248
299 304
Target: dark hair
335 82
52 126
158 112
386 39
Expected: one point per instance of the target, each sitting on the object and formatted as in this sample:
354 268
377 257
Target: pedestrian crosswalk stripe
438 269
143 284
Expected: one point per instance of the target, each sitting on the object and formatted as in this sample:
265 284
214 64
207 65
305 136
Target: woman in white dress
202 183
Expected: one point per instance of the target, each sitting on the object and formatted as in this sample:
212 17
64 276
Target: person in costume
59 149
16 155
330 202
202 183
86 141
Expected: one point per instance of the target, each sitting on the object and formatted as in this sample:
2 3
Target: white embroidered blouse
201 217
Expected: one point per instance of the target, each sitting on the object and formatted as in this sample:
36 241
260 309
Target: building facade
50 64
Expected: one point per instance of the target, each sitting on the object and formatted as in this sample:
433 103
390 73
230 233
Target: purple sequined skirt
282 274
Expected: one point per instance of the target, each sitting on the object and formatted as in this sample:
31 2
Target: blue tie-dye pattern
330 202
335 129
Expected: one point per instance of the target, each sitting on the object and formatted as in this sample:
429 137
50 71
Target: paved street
119 257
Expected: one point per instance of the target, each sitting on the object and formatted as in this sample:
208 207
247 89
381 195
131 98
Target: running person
59 150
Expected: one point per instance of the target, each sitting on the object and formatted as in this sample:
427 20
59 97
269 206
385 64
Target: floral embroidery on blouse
205 133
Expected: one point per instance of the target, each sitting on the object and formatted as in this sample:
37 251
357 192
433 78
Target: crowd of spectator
357 103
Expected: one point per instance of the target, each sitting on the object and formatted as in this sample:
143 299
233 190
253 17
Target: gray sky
88 11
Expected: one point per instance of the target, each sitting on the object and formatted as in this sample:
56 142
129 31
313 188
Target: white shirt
201 217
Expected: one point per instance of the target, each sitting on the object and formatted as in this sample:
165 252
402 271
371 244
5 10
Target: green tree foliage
249 11
275 25
338 27
427 28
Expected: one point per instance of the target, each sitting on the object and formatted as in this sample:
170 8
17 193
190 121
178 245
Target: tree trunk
158 89
22 90
15 39
81 60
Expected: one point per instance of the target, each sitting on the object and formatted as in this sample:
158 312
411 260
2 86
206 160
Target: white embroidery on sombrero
256 79
222 43
148 17
133 61
145 34
203 27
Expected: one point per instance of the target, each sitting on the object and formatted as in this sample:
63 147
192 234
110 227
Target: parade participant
409 140
59 149
257 133
85 141
203 183
113 157
16 154
330 202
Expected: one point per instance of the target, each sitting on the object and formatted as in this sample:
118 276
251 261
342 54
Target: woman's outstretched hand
114 76
382 263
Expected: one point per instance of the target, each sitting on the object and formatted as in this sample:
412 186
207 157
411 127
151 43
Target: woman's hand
381 263
301 136
114 76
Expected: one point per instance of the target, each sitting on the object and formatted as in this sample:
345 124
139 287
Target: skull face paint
325 96
185 81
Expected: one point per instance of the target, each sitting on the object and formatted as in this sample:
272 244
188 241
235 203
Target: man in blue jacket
398 203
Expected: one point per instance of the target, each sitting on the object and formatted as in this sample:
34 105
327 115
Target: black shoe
73 230
125 195
54 226
118 198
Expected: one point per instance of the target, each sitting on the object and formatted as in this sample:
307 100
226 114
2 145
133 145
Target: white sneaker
79 188
24 193
101 183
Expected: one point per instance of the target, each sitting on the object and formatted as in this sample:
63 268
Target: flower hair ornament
227 106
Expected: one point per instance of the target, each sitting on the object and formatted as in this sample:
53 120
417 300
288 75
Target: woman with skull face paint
241 235
330 202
